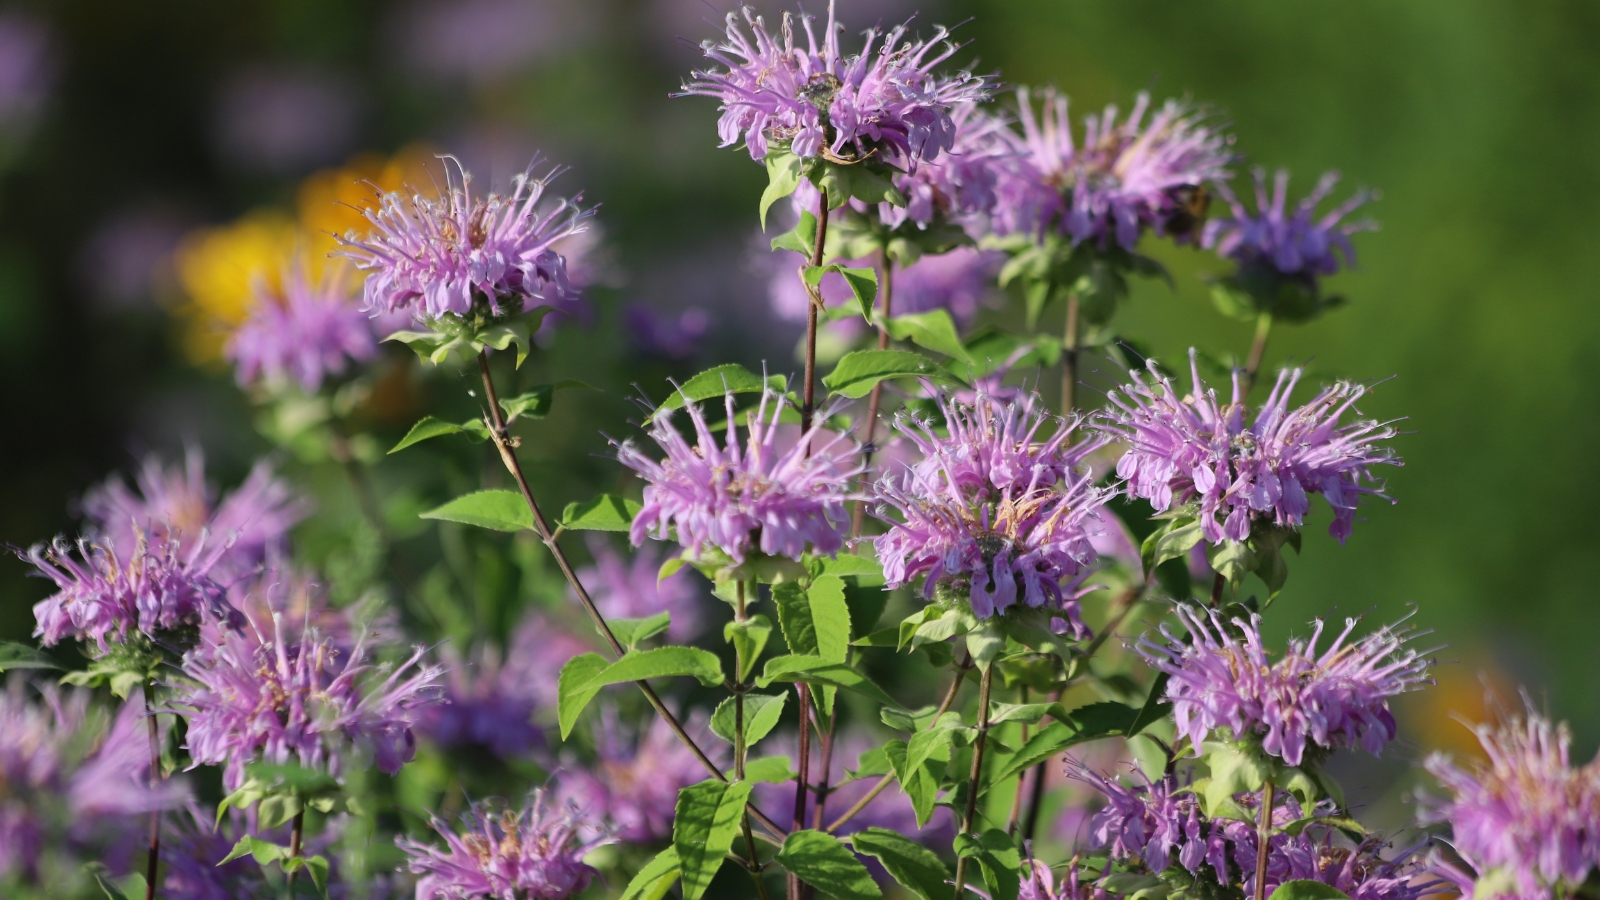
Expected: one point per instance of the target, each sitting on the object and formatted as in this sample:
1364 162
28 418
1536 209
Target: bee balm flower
535 854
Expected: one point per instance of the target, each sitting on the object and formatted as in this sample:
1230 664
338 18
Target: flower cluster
1123 178
994 509
436 257
818 101
1040 884
250 696
1527 821
536 854
1184 449
1293 243
307 332
960 184
1338 697
762 498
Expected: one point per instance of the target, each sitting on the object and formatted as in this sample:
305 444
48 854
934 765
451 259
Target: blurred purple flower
193 848
1191 448
306 333
961 184
1040 884
1123 178
539 648
762 498
130 254
1527 821
27 71
958 281
1290 242
631 790
535 854
818 101
257 696
1337 698
484 705
995 510
632 590
248 526
286 120
482 41
655 334
436 257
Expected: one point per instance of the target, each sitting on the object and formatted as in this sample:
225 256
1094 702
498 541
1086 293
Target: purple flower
307 333
891 809
761 498
27 69
248 526
959 281
1337 698
536 854
632 788
193 849
1185 449
995 509
252 696
632 590
286 120
482 707
1292 243
817 101
1040 884
1123 178
539 648
155 588
655 334
438 257
1527 820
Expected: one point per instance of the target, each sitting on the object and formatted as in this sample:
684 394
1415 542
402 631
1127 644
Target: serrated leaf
1092 722
575 688
815 620
934 330
821 861
718 381
1305 889
858 371
499 337
862 281
1025 713
429 427
816 670
630 632
21 656
259 849
607 512
1154 707
495 510
1001 864
801 239
783 177
770 770
703 828
636 665
910 863
750 639
761 712
656 878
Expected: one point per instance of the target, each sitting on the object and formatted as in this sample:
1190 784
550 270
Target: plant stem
809 397
1217 584
1069 361
801 782
977 773
885 781
1258 349
503 443
739 748
886 294
1041 773
1263 833
296 834
1022 780
819 810
154 859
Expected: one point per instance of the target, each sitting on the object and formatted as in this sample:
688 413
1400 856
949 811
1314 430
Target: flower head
886 100
536 854
757 499
1527 820
1123 178
442 256
273 697
995 508
307 332
1185 449
1338 697
632 788
1292 242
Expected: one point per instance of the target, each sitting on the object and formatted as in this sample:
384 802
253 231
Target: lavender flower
1040 884
1527 820
485 705
819 102
539 648
307 332
1292 243
759 499
28 67
252 696
632 590
666 337
959 281
994 510
444 256
247 526
633 785
891 809
1185 449
1124 177
102 596
536 854
1337 698
193 850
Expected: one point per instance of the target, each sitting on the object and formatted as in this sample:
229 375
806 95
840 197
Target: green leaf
783 176
815 620
21 656
821 861
499 337
1232 560
534 404
1154 707
911 864
630 632
292 778
703 828
802 239
761 712
919 785
934 330
495 510
883 637
656 878
637 665
858 371
1305 889
1088 723
749 638
430 427
129 887
718 382
930 744
1172 540
259 849
1001 864
771 769
573 688
607 512
863 282
816 670
1234 770
1026 713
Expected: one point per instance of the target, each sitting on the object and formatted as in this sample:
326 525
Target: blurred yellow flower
331 201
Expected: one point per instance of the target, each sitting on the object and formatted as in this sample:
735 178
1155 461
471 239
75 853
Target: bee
1193 200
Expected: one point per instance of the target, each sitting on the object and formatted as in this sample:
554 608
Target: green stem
974 779
296 834
1069 360
739 748
1263 836
815 295
153 863
886 296
1258 349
